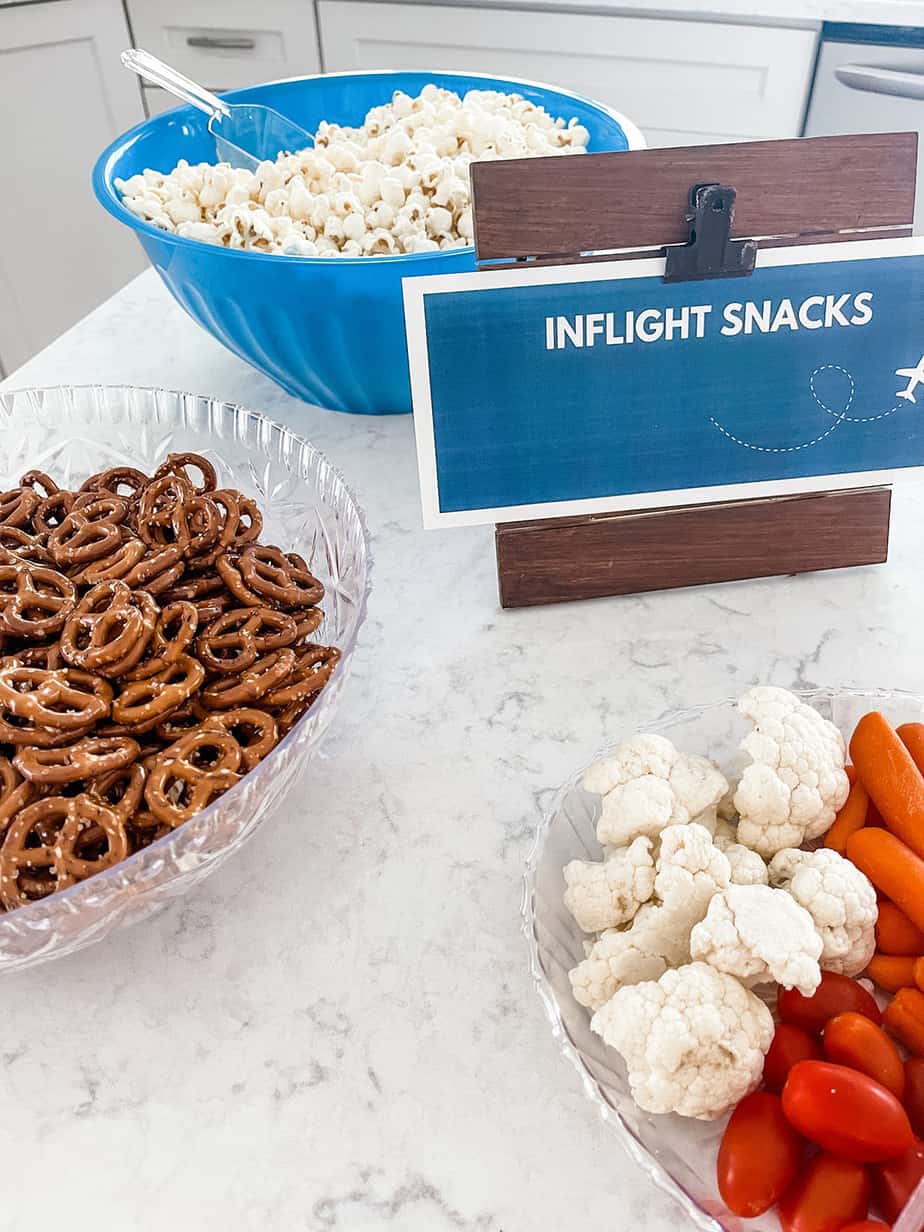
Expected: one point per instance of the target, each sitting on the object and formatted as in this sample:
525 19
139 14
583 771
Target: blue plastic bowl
329 330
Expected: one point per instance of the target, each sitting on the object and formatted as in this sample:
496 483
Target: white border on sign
417 289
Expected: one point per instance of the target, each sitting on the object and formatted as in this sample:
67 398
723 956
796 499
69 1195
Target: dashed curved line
839 417
842 415
778 448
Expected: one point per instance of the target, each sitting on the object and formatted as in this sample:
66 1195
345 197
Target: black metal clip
709 252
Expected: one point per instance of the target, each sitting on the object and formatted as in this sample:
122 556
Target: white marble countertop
350 1042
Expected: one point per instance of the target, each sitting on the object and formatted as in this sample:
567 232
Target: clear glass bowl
71 432
677 1153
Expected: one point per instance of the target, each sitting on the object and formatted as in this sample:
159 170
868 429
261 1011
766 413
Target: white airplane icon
915 378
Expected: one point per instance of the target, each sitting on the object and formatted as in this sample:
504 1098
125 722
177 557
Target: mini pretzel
115 478
162 512
226 505
175 629
158 569
178 464
265 674
18 505
88 533
17 544
64 700
113 567
47 656
187 776
170 512
58 823
34 601
87 759
109 630
39 479
121 790
231 643
52 511
309 621
254 730
265 573
154 697
309 676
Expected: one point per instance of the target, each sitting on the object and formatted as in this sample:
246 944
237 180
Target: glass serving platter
677 1153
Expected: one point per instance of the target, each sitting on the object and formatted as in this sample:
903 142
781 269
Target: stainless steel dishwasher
870 79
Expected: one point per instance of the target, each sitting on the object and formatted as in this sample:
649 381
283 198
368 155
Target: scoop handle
161 74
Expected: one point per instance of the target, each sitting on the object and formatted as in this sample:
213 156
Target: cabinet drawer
683 82
234 43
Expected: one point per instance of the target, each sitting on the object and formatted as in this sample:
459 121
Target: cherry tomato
828 1194
894 1182
846 1112
914 1093
790 1044
759 1155
836 994
866 1225
851 1039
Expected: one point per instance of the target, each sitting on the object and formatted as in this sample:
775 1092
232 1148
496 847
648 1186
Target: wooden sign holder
765 193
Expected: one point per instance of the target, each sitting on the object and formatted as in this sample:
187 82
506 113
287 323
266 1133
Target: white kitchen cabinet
63 97
229 43
684 82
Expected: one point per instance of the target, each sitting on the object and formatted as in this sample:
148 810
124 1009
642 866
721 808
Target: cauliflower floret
747 867
693 1042
608 893
840 900
796 782
690 870
647 785
758 935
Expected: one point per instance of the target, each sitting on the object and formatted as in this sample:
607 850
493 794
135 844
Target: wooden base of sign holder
559 559
810 190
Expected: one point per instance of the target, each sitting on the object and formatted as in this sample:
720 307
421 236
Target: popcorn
397 183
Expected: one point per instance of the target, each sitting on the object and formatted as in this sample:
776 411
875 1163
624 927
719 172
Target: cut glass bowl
71 432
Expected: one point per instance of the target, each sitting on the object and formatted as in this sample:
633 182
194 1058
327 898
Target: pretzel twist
187 776
35 601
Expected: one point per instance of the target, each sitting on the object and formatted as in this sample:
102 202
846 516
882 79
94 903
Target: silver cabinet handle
881 80
230 42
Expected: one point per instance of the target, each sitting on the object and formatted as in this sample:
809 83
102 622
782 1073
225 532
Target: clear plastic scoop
245 133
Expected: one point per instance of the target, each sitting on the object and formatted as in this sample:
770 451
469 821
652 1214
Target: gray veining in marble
348 1040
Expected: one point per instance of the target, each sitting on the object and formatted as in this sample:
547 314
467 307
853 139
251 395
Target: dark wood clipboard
805 191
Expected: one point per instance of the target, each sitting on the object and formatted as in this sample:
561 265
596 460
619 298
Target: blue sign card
574 389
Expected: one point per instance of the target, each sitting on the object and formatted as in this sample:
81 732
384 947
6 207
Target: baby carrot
892 867
891 971
887 771
895 934
849 820
912 737
904 1016
919 973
